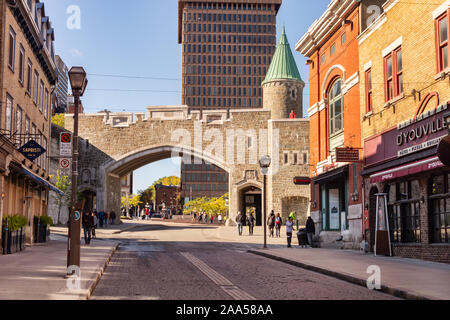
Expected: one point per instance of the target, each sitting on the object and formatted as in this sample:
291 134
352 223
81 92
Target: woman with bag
278 224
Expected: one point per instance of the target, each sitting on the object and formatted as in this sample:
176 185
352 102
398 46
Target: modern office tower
62 85
227 47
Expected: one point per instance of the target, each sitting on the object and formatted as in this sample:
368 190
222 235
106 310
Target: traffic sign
77 216
64 164
65 144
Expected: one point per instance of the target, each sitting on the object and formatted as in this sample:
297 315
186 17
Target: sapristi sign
420 133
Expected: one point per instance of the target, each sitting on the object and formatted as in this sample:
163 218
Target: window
344 38
18 124
21 65
39 141
322 59
393 70
29 77
9 114
35 87
12 49
404 211
369 95
44 156
336 102
41 96
442 35
46 104
440 209
333 49
27 128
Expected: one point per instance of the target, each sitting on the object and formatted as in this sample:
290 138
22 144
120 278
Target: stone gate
114 144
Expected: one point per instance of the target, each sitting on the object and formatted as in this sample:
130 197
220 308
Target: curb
345 277
101 272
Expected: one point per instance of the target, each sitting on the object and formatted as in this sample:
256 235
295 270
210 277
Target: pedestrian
239 223
251 223
211 219
107 216
199 218
293 215
205 218
289 228
113 217
278 224
87 223
220 218
310 230
95 219
292 115
271 223
101 218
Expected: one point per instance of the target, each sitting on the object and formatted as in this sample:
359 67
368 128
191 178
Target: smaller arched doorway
251 201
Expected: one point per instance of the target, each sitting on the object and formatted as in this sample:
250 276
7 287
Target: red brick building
167 197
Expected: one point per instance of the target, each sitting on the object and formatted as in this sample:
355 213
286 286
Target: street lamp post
78 82
444 145
264 163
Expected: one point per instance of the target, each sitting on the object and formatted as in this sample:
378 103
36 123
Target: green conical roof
283 66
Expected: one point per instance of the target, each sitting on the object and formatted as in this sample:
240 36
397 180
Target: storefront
402 163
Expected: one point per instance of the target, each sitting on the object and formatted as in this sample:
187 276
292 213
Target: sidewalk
38 273
405 278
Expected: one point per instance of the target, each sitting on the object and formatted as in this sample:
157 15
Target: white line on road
218 279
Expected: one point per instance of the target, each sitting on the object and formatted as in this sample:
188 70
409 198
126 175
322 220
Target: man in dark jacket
310 230
271 223
113 217
88 223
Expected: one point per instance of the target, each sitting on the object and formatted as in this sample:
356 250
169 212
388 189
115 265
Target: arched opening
372 217
251 202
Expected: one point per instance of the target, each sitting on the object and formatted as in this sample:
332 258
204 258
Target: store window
404 211
439 209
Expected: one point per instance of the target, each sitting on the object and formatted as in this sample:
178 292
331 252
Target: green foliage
59 120
211 206
46 220
15 222
131 201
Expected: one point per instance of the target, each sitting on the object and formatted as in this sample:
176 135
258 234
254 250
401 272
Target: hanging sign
347 155
32 150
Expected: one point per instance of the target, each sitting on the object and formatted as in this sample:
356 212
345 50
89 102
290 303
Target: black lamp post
444 145
78 82
264 163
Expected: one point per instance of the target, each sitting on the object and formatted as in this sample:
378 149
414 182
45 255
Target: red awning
406 170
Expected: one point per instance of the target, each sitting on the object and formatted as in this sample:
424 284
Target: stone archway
250 198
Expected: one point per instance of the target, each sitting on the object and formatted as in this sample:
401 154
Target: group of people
248 220
275 222
93 220
202 217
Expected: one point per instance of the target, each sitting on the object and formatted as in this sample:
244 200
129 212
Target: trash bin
302 238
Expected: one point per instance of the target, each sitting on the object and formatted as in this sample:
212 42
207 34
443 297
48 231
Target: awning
42 181
331 175
406 170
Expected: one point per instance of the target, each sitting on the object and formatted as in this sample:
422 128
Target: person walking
87 223
101 218
107 215
113 217
239 223
310 230
95 220
271 223
211 219
147 214
278 224
293 215
219 219
289 228
251 224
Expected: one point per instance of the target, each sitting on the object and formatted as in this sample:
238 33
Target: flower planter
44 232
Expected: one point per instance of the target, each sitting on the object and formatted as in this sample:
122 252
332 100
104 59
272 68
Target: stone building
404 69
27 63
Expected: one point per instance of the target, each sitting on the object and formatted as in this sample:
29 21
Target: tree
211 206
59 120
63 183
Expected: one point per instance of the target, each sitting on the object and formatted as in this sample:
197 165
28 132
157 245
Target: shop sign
347 155
32 150
423 132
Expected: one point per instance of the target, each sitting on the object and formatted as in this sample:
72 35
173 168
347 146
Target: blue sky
139 39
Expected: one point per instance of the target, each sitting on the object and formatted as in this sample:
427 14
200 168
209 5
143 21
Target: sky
137 45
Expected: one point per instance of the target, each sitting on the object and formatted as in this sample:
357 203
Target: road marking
218 279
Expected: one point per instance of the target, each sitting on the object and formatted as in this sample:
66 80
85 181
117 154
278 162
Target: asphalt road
146 267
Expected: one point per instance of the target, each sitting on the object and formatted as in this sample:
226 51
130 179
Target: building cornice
331 20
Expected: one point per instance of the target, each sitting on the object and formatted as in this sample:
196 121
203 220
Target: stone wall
283 96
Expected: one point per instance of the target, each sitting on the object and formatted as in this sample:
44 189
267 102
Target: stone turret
283 86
